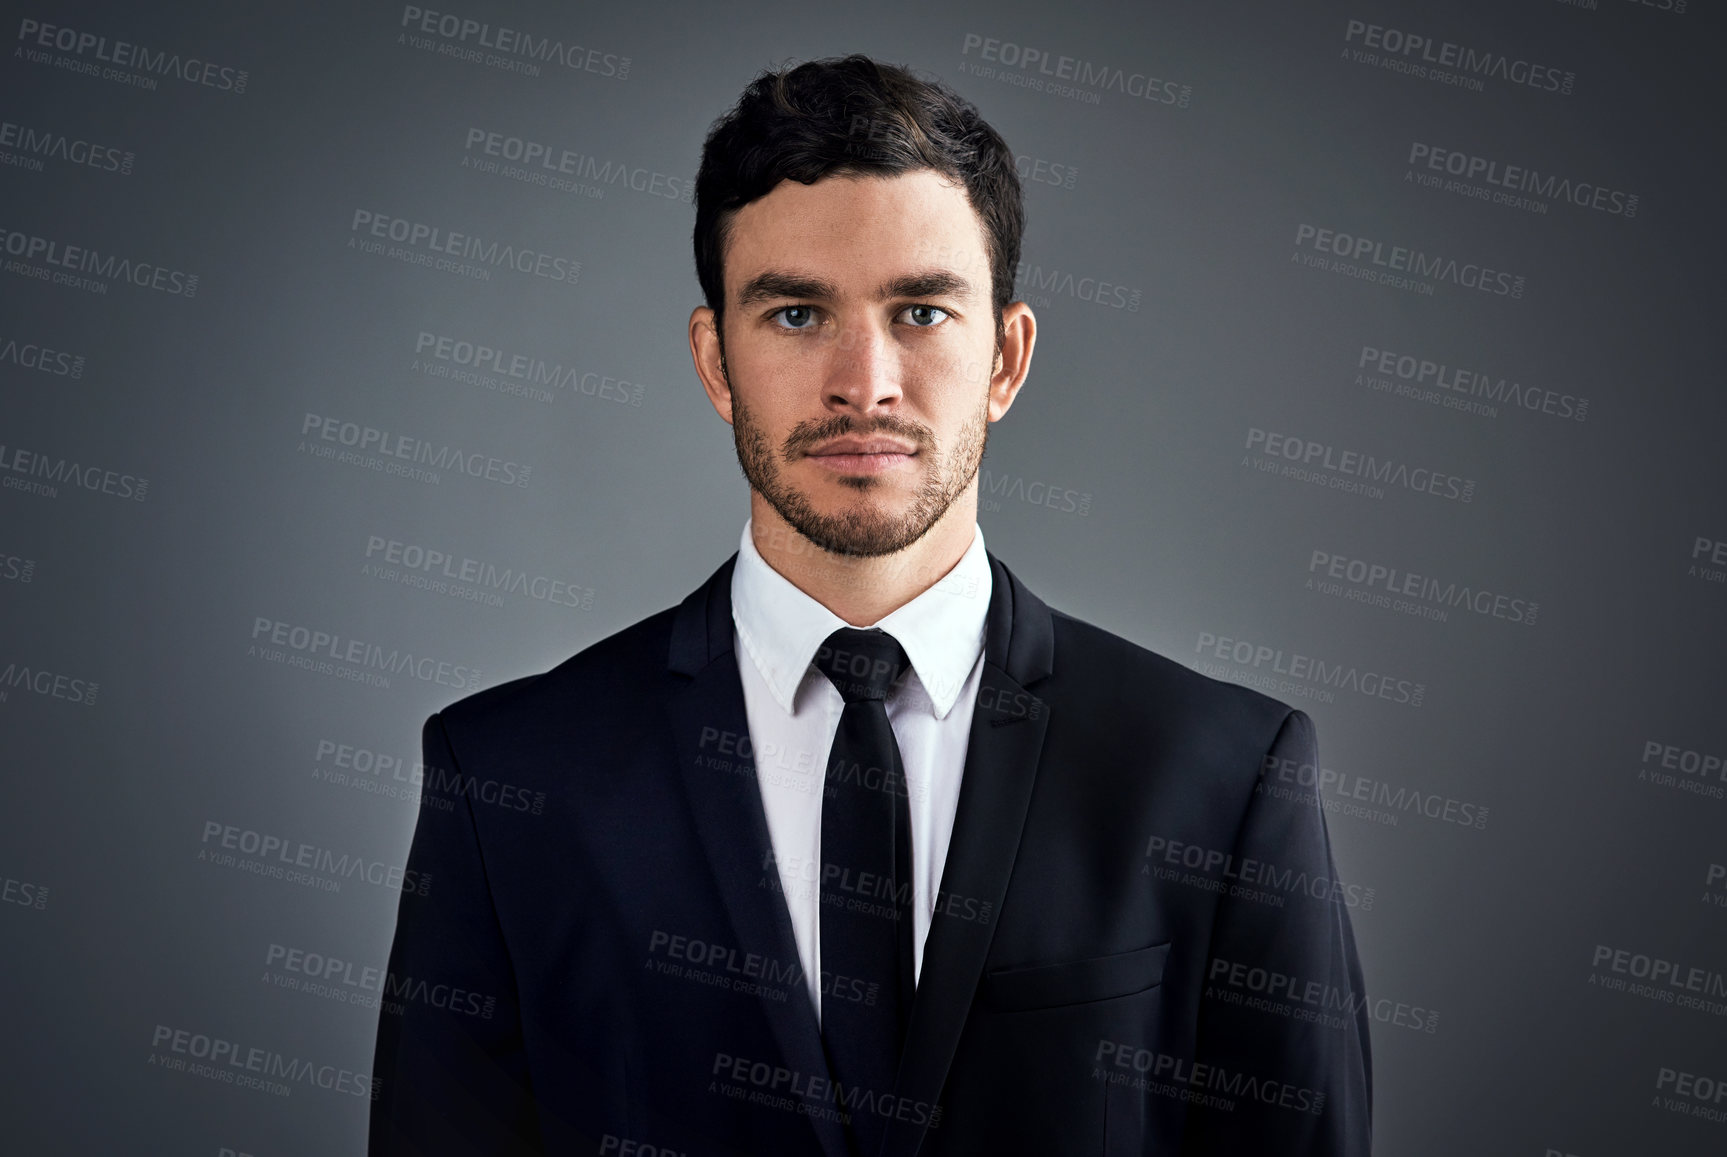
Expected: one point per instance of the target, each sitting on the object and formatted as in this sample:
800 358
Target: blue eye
795 317
927 316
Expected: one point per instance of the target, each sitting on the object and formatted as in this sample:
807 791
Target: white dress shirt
794 711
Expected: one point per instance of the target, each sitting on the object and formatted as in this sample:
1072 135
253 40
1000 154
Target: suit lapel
1002 752
726 803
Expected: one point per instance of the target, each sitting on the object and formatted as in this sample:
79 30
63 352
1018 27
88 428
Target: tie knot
862 664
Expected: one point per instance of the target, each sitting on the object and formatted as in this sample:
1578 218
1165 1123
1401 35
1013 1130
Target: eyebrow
777 284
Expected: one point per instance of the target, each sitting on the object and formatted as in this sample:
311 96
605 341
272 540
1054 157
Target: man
863 849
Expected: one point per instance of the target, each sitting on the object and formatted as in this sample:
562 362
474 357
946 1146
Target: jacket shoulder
594 683
1119 672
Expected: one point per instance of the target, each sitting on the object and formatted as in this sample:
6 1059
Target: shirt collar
941 629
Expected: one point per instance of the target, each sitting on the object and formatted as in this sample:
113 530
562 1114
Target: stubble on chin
862 530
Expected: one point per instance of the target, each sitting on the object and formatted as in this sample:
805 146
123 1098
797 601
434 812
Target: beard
861 530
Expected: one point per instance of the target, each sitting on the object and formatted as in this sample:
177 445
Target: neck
863 590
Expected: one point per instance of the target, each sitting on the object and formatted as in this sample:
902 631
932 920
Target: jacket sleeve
452 1072
1283 1021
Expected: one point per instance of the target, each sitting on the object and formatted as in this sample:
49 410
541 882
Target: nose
863 372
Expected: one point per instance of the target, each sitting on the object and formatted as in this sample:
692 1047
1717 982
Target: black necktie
866 884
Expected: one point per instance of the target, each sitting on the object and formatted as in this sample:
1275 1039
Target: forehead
859 227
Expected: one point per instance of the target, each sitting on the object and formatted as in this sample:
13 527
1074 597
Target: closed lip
861 446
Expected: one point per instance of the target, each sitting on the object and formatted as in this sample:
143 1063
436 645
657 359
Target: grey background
114 925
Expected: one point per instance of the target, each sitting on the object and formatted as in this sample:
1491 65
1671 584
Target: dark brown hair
853 116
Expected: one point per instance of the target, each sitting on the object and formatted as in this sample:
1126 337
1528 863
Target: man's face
859 349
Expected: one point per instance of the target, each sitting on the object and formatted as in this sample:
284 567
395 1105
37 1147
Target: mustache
807 434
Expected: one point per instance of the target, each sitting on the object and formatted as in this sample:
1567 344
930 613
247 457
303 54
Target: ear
1013 363
710 365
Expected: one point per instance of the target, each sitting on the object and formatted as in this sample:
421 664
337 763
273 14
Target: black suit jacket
1138 949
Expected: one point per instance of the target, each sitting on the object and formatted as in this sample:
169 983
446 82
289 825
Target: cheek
954 380
778 367
962 368
766 371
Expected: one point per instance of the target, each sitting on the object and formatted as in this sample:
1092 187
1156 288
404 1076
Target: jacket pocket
1075 981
